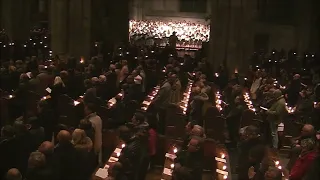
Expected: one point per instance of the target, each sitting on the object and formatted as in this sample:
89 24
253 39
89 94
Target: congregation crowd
59 116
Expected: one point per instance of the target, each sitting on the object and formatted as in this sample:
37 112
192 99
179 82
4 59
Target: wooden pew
222 170
175 119
112 159
214 124
172 147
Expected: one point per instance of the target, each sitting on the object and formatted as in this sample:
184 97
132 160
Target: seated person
309 152
251 151
306 132
233 118
192 158
130 154
47 148
273 173
37 168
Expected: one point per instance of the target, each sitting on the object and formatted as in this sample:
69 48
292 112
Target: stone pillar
218 32
59 27
119 21
79 31
137 8
232 32
71 28
15 20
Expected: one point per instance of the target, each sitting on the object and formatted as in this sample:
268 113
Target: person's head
277 94
130 79
47 148
138 118
238 99
58 81
194 145
189 127
124 133
64 137
13 174
273 173
308 144
251 132
64 75
7 131
172 78
296 77
196 90
94 81
89 108
19 128
197 131
85 124
135 73
33 122
79 136
36 160
102 78
115 169
308 131
24 77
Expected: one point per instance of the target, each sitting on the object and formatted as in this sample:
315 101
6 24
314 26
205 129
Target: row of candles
248 101
146 103
113 100
171 155
222 166
186 97
103 172
218 101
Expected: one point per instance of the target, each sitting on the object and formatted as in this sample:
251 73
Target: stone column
218 32
15 20
137 6
119 21
59 27
232 32
79 31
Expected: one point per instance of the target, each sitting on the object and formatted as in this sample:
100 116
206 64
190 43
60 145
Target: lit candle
223 156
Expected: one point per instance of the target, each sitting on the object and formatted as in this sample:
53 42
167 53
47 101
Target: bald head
64 137
13 174
197 131
46 148
194 145
308 130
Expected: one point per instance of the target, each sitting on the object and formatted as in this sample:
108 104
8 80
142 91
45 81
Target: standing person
275 115
173 40
97 125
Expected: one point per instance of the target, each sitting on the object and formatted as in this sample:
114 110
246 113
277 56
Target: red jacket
302 165
152 142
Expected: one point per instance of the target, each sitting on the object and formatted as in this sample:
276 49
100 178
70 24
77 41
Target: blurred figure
13 174
275 115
